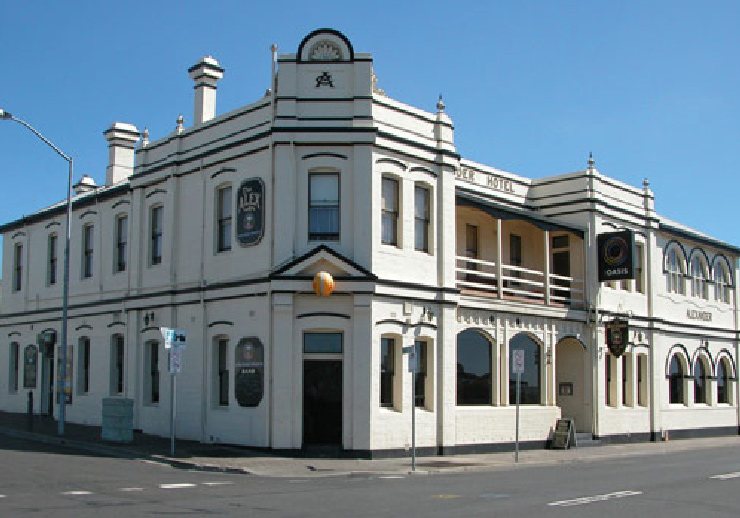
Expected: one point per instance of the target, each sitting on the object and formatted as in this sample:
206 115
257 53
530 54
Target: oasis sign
616 255
250 212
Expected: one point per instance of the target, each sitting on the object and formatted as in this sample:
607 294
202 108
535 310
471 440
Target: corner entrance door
47 381
322 402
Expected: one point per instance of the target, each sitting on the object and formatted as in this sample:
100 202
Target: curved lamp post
65 287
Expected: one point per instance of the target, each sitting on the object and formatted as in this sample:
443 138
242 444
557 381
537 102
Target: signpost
175 341
517 367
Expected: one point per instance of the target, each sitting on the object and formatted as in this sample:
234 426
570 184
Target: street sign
413 362
517 361
174 338
175 360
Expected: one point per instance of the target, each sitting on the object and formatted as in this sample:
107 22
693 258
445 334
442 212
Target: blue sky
651 88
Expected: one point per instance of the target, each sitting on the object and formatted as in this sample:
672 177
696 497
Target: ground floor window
387 371
474 380
610 367
421 374
117 365
221 348
642 373
83 365
675 381
700 382
151 377
723 386
13 367
531 386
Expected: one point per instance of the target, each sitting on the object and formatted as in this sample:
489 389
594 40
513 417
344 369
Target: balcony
481 278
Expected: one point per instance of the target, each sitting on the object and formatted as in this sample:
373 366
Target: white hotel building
464 261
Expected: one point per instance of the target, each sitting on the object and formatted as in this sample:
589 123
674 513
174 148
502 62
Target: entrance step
586 440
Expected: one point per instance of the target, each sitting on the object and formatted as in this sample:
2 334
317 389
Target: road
48 481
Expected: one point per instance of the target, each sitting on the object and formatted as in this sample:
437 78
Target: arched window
721 283
675 381
700 382
675 272
699 279
474 380
723 382
530 391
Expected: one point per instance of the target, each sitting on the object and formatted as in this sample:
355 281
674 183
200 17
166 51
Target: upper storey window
675 272
421 218
223 219
156 235
721 283
323 207
87 251
699 278
17 267
121 243
389 212
51 275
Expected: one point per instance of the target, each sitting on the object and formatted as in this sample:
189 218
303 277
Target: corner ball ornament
325 51
323 284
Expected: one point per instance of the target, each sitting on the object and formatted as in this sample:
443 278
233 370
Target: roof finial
645 184
180 120
440 104
145 137
591 161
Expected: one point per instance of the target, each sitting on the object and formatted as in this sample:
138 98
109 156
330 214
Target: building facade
221 227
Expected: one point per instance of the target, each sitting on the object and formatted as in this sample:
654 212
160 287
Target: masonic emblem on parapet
324 80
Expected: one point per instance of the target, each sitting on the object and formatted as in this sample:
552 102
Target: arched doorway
571 386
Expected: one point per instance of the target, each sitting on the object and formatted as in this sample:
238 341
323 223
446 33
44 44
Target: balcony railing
479 277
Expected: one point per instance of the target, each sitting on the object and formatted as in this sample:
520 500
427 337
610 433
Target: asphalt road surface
47 481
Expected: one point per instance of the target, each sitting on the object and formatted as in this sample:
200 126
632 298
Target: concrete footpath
232 459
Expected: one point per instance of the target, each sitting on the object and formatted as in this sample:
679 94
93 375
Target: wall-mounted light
548 357
148 317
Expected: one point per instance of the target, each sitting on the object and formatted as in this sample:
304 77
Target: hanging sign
616 336
30 366
616 255
249 364
250 212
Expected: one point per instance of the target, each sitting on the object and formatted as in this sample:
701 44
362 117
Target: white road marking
726 476
391 476
596 498
217 483
175 486
2 496
132 489
77 493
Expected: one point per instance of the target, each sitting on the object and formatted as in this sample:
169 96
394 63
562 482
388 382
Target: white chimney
86 184
206 74
121 139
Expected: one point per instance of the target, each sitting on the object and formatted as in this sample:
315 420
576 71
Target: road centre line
217 483
77 493
596 498
176 486
129 489
726 476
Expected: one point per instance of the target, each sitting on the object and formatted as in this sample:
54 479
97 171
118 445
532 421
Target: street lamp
65 286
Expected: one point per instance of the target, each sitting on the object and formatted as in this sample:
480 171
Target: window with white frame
117 353
675 272
421 218
627 399
223 218
420 382
642 377
13 366
221 370
676 375
389 211
639 268
151 376
51 258
474 368
121 243
699 278
721 283
17 267
701 391
387 371
323 206
83 366
610 388
723 382
156 230
88 234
